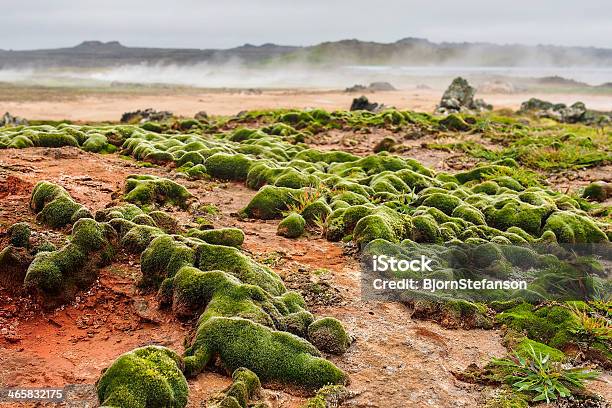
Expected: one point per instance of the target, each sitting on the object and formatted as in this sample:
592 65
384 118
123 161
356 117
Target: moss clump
162 259
573 228
551 325
328 335
383 223
328 396
470 214
137 237
55 277
145 377
443 202
231 260
233 237
143 190
272 355
222 295
598 191
245 387
523 345
316 212
19 234
228 166
292 226
455 123
270 202
54 206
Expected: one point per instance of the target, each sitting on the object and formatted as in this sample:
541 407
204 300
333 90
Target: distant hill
408 51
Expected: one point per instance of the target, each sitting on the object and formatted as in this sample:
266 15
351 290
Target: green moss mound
551 325
54 206
231 260
146 190
328 335
19 234
233 237
245 387
55 277
292 226
228 166
150 376
270 202
272 355
162 259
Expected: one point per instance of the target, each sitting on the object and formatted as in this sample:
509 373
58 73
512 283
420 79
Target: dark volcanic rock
373 87
576 113
459 98
146 115
362 103
9 120
202 116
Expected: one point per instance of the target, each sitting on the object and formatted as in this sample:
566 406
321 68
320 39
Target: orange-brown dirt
84 105
395 361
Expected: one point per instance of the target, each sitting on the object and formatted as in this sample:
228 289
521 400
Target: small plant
303 200
591 328
536 375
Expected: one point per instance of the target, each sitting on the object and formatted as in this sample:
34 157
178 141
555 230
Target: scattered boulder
459 98
19 234
10 120
202 116
387 144
362 103
146 115
576 113
328 335
356 88
497 86
292 226
598 191
373 87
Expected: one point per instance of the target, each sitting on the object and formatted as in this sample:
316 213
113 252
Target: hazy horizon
208 24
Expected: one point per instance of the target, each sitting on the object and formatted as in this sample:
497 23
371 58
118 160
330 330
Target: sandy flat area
109 107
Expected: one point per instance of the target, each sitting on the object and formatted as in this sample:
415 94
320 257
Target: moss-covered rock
272 355
231 260
574 229
245 387
228 166
55 277
292 226
551 325
454 122
598 191
146 190
328 335
270 202
162 259
316 212
136 238
150 376
19 234
233 237
54 206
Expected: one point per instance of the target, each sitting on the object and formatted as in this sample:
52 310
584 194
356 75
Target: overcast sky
28 24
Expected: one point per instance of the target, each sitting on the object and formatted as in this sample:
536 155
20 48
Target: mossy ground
365 199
